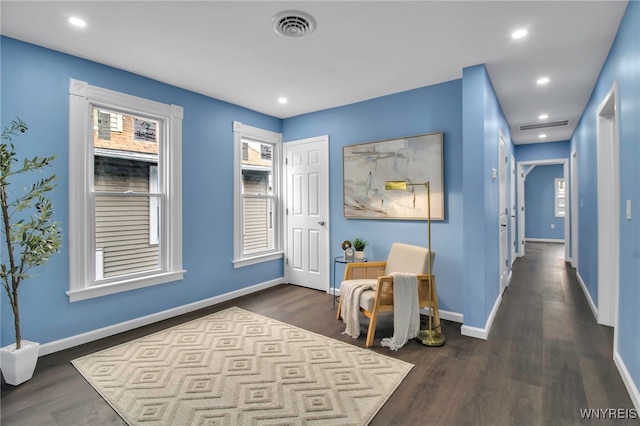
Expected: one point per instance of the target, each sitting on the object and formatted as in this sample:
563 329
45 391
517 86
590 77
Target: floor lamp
426 337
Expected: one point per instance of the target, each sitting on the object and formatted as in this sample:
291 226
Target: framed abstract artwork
369 168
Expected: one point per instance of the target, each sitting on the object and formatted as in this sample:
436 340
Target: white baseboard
79 339
478 333
331 292
592 305
482 333
545 240
445 315
452 316
628 380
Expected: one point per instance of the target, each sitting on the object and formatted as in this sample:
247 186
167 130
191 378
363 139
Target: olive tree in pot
30 238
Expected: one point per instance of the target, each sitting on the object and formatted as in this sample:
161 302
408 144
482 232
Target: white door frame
522 176
513 209
608 208
323 206
574 209
503 213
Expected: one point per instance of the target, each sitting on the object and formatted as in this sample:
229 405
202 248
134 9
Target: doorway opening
524 169
608 208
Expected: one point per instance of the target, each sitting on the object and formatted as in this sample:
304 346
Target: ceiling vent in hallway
292 23
544 125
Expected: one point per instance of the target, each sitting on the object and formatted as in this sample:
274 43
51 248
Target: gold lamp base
430 338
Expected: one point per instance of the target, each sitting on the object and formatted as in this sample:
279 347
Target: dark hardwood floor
545 359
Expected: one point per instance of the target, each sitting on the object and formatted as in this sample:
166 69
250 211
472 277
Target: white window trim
241 131
82 96
556 198
154 237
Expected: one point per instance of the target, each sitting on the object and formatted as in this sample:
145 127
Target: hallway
546 337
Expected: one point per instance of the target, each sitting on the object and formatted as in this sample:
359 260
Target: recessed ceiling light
77 22
542 136
519 34
282 100
543 80
543 116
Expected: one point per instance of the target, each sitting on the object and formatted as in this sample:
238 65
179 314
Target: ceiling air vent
544 125
292 23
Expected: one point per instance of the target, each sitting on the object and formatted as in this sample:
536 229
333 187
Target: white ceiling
359 50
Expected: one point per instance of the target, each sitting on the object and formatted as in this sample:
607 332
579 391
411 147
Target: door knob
321 223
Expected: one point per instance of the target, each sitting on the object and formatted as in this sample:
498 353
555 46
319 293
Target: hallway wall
483 122
622 67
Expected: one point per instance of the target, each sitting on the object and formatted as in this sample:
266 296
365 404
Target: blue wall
483 121
622 67
429 109
35 87
542 151
539 199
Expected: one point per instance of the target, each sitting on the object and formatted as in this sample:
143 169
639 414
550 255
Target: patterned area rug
235 367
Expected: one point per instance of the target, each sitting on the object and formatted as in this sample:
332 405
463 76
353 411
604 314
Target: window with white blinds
125 192
257 224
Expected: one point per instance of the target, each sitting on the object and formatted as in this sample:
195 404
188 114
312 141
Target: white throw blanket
350 292
406 314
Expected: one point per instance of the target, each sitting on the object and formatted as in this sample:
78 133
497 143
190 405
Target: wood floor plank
546 357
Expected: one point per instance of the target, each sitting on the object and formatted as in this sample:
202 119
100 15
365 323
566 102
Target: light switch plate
628 209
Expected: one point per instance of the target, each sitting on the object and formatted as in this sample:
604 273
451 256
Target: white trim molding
587 295
545 240
90 336
451 316
608 207
240 132
83 281
482 333
632 388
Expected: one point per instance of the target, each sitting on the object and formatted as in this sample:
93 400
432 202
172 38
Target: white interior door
504 214
307 212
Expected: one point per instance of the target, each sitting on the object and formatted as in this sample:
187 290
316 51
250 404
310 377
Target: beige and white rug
235 367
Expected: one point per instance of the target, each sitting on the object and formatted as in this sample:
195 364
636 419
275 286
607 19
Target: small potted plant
358 245
30 237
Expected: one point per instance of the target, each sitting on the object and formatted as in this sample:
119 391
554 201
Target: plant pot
359 254
18 365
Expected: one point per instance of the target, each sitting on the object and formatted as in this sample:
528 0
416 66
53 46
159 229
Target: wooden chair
402 258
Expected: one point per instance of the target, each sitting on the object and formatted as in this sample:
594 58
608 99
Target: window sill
247 261
121 286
